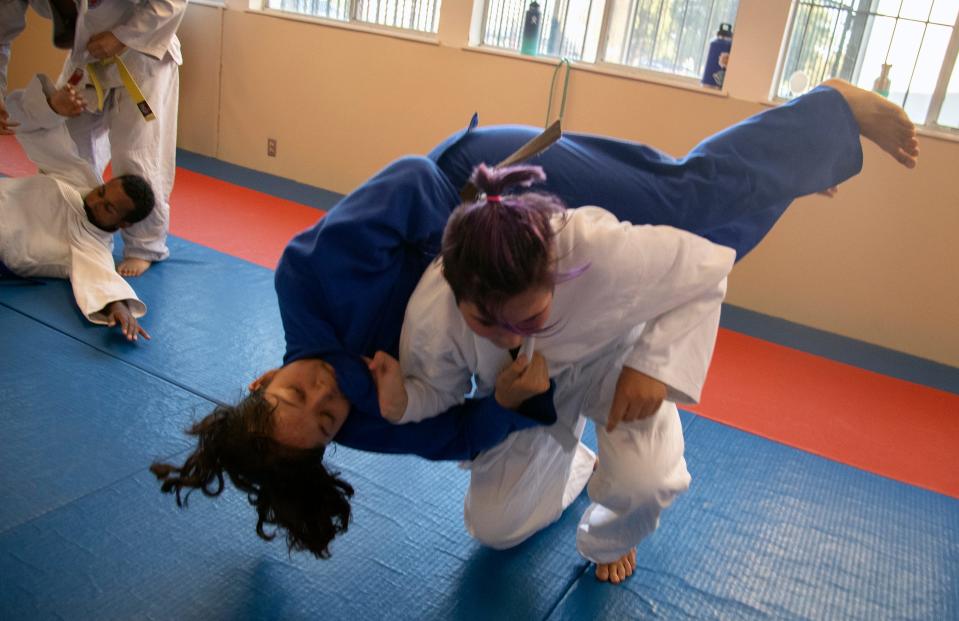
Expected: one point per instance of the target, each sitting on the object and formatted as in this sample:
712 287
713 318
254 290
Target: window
904 49
670 36
420 15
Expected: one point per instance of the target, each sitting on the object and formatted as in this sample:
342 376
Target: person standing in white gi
12 22
143 34
626 317
60 224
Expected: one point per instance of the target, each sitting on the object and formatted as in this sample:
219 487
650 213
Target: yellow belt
128 83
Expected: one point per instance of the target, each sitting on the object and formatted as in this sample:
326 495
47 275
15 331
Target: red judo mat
891 427
899 429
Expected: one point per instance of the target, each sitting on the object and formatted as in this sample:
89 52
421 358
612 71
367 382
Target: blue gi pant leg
731 188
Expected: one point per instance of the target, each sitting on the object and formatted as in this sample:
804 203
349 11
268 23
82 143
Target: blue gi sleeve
460 433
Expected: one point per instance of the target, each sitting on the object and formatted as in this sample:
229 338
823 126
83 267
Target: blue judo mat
214 320
765 532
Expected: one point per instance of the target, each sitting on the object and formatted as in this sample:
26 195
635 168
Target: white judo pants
523 485
135 146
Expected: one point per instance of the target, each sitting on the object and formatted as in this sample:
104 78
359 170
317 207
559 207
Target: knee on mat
497 539
496 530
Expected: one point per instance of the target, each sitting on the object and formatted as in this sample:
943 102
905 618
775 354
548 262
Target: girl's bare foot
617 571
133 267
881 121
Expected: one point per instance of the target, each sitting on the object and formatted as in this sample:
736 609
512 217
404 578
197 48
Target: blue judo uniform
343 285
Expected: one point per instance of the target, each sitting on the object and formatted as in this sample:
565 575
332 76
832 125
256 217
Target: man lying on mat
60 223
344 284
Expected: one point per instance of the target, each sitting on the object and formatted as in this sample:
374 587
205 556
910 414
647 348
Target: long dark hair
289 488
502 244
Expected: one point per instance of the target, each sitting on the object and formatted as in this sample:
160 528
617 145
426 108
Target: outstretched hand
6 125
104 45
118 313
637 396
388 378
521 380
67 102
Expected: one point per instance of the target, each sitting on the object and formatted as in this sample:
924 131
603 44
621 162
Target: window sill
935 132
616 71
213 4
383 31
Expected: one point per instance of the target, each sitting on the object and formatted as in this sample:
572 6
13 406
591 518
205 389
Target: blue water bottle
718 57
531 26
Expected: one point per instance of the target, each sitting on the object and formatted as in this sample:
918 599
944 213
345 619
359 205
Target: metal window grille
662 35
332 9
418 15
853 39
565 26
671 36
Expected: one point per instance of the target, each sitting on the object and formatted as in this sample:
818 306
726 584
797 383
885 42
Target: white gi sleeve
656 284
685 276
94 278
44 135
152 26
436 373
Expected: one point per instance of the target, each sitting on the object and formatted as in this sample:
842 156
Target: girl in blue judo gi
344 284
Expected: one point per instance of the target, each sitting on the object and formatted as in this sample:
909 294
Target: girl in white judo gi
624 316
60 224
143 34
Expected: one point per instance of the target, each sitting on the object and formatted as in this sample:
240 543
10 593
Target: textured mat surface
213 318
75 419
768 532
125 552
236 220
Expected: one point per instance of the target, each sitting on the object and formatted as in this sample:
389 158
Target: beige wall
201 39
876 263
33 52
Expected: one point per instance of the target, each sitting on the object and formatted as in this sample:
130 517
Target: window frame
357 24
602 64
938 97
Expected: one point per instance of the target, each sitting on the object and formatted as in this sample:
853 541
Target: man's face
309 407
108 206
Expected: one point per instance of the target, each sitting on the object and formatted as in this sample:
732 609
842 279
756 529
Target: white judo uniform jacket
649 299
147 28
119 132
44 230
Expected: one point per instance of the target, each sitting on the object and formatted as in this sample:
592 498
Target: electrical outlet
271 147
